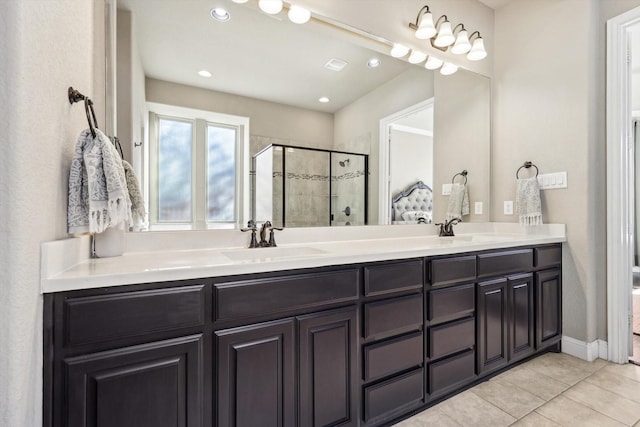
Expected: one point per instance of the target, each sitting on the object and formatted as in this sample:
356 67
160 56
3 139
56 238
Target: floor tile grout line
495 406
586 405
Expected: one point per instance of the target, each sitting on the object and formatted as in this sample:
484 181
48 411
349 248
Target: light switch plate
478 208
446 189
508 207
552 181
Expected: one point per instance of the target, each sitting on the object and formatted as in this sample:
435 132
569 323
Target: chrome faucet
446 228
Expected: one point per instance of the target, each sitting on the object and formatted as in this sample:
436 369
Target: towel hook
462 174
526 165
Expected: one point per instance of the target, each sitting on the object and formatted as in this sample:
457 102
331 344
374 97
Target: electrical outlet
478 208
446 189
508 207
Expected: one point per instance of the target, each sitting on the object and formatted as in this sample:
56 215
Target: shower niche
308 187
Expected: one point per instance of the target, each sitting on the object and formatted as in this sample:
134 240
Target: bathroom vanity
346 343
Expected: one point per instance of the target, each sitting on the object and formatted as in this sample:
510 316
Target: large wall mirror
258 117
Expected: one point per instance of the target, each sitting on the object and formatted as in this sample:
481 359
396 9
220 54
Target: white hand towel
528 204
458 201
98 195
138 211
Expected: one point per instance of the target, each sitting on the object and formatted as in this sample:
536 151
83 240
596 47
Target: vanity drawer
394 277
451 372
394 315
389 357
124 314
451 303
451 337
548 256
385 398
498 263
451 270
247 298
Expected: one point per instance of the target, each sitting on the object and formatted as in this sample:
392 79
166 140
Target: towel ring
462 174
526 165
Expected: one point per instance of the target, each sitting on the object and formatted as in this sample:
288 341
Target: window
197 166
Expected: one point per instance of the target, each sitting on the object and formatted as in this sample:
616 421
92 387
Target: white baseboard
586 351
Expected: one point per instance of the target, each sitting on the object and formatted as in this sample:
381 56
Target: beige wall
462 139
306 127
47 46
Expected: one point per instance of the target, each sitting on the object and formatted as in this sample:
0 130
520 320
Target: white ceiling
255 54
495 4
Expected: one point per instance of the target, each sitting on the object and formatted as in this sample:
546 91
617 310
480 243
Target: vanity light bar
443 37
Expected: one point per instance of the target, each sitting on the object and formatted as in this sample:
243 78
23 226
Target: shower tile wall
306 188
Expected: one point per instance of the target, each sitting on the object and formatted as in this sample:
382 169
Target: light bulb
448 68
417 57
426 30
462 44
445 36
270 6
399 50
299 15
433 63
477 51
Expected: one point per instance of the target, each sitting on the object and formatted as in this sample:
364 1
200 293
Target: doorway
406 152
620 187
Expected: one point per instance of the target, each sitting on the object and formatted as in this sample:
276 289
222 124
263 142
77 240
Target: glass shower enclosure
309 187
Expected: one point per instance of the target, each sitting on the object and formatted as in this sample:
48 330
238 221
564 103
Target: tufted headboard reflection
416 201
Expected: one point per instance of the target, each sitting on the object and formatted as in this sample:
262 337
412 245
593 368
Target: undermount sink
271 254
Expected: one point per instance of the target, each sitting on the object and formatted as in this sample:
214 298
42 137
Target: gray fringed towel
98 195
458 201
528 204
138 211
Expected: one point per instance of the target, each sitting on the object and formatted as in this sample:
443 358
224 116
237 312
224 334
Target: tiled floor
550 390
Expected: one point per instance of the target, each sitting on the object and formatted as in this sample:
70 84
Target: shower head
344 162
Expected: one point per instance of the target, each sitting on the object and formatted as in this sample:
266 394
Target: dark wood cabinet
492 325
353 345
521 316
158 384
548 307
256 375
328 381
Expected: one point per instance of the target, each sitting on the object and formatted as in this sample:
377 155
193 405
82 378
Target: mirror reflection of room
268 82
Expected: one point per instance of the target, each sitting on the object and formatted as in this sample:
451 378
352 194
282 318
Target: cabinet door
548 307
521 323
328 370
151 385
492 325
256 375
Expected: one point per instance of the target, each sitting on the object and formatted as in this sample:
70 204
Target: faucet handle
272 237
251 226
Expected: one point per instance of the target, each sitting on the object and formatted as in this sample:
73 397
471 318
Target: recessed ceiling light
324 100
220 14
373 63
204 73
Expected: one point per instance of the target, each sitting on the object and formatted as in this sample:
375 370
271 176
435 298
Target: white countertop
157 257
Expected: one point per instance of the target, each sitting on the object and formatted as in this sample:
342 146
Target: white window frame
200 119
